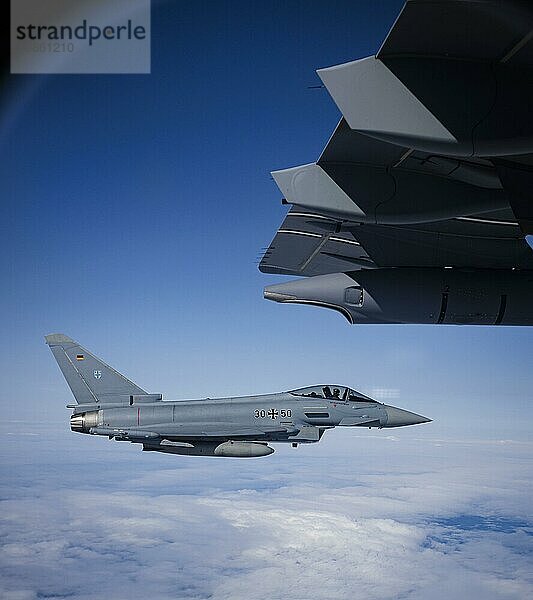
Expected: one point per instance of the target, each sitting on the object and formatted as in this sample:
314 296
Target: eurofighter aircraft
419 208
109 404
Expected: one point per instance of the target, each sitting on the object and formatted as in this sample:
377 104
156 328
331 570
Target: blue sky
134 209
136 206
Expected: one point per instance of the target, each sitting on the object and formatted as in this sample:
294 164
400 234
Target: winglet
55 339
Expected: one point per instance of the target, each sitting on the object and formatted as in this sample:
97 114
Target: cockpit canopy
331 392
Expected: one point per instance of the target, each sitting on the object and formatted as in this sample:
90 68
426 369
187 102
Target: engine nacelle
414 295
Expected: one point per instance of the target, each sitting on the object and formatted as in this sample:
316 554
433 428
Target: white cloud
317 524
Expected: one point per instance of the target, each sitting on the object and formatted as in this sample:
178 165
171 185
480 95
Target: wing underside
195 431
367 204
430 168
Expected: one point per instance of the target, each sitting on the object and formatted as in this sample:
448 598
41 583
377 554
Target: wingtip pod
56 339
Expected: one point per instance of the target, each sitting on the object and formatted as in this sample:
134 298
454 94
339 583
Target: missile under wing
418 209
108 404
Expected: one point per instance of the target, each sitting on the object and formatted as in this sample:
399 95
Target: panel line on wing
489 221
403 157
344 241
323 242
310 215
295 232
518 46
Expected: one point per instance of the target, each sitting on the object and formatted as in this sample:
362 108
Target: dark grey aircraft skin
418 208
109 404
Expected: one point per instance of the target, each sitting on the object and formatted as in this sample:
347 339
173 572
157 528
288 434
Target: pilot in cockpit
336 393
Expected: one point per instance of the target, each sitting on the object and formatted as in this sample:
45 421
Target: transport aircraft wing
429 168
363 206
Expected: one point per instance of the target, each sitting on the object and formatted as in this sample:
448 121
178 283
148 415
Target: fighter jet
419 207
109 404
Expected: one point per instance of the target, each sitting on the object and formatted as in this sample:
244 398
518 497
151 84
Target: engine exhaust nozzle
82 422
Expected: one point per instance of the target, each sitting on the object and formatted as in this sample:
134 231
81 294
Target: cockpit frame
340 393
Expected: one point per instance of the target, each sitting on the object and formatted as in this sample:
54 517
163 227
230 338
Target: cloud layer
359 519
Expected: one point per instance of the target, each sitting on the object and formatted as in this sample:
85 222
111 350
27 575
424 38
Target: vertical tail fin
90 379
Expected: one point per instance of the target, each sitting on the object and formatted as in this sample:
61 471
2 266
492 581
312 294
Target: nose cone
396 417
